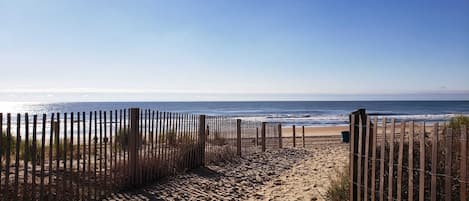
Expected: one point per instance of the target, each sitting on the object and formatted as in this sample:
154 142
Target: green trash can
345 136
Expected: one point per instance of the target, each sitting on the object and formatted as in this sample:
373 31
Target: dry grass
340 185
221 154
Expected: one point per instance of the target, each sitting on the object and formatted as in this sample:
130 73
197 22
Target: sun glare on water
12 107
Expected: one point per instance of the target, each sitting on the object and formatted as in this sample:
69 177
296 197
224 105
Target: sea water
310 113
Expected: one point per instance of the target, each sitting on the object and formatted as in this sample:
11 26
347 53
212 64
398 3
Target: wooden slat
143 147
187 140
382 159
422 164
463 172
79 158
156 140
121 150
152 145
400 160
165 141
183 140
189 136
360 158
34 159
196 138
7 159
178 132
116 155
26 193
71 171
90 142
367 152
193 138
373 158
59 187
95 164
65 144
158 143
175 131
129 178
100 140
51 145
43 156
83 169
449 141
106 185
410 195
434 162
17 156
1 152
352 172
133 135
167 147
391 160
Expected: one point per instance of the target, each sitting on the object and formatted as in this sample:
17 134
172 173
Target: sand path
286 174
309 179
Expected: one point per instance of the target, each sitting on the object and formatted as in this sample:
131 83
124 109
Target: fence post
303 129
263 136
357 135
294 136
280 136
238 137
133 152
202 140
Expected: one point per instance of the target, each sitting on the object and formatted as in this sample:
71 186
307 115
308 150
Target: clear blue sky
101 50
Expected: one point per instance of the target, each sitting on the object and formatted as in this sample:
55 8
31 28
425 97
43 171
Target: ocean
308 113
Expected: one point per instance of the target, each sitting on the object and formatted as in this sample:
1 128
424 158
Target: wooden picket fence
88 156
407 160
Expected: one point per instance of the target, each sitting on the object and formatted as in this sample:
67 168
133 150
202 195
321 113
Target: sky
233 50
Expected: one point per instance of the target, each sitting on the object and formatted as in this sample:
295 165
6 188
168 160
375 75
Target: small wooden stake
280 136
294 136
303 133
238 137
263 136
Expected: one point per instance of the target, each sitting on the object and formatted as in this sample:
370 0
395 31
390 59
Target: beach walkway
284 174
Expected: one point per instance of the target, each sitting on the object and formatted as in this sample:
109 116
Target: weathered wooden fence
87 156
407 160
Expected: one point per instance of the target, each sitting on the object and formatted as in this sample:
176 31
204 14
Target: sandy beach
315 131
277 174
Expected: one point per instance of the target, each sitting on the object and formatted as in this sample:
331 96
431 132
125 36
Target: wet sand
315 131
